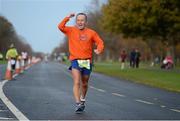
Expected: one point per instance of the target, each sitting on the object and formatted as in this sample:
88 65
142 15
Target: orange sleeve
99 42
62 25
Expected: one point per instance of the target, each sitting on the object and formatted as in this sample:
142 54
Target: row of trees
157 22
152 26
8 36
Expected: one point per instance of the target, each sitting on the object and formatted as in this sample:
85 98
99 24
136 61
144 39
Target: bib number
13 62
84 63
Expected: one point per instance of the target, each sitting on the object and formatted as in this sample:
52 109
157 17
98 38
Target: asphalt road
44 92
5 113
2 71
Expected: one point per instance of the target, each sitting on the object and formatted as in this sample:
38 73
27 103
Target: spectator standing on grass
137 58
123 56
132 58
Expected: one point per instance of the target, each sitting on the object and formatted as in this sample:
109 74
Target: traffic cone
8 75
18 69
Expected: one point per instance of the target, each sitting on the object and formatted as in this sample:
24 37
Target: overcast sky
37 20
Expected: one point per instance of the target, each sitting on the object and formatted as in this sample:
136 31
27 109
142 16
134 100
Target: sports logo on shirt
83 37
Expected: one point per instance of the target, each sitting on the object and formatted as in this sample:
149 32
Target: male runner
81 40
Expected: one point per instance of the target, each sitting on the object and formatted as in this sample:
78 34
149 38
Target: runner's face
81 22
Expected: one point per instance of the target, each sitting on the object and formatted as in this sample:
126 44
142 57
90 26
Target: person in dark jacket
137 58
132 58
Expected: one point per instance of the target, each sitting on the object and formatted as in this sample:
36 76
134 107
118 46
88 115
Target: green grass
3 62
169 80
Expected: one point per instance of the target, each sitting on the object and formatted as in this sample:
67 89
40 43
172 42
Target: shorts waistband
83 59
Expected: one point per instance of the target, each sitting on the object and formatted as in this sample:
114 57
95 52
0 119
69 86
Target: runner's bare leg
76 87
85 79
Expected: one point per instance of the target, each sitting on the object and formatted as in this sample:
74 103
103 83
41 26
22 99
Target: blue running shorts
84 71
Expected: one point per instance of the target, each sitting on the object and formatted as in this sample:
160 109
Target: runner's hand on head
97 51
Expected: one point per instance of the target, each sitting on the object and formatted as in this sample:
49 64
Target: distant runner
12 55
81 40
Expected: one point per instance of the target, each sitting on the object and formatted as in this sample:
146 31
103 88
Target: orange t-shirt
80 41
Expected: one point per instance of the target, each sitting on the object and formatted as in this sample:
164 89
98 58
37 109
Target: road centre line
175 110
3 110
4 118
162 106
117 94
145 102
100 90
120 95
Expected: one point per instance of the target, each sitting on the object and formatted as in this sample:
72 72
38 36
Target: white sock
82 99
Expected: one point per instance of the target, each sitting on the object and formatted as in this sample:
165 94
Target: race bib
13 62
84 63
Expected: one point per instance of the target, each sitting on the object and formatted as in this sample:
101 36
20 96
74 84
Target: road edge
18 114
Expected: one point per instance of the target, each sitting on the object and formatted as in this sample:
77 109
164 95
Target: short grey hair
82 14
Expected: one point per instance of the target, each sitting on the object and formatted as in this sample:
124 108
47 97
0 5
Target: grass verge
165 79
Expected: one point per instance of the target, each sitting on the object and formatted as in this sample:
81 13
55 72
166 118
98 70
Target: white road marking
15 75
155 99
175 110
3 118
120 95
162 106
117 94
92 87
146 102
19 115
3 110
9 104
100 90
